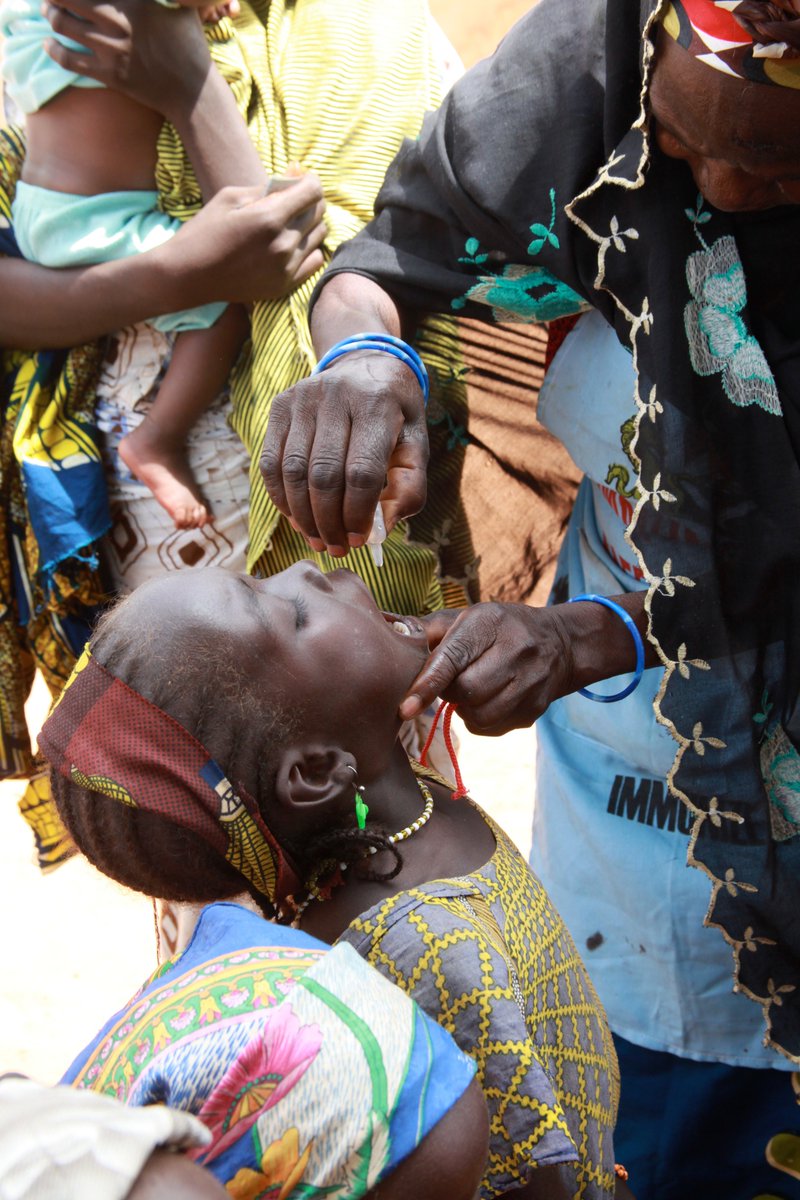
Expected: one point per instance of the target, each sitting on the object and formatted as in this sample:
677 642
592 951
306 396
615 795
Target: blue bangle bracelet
385 343
339 350
637 641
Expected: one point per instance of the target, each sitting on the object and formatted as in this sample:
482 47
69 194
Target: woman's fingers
72 60
315 484
272 451
497 714
299 206
144 50
500 664
310 263
243 239
99 28
334 440
469 637
87 10
329 477
407 475
438 625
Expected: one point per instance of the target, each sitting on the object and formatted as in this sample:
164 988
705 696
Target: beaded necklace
312 889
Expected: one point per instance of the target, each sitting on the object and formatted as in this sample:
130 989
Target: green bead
361 809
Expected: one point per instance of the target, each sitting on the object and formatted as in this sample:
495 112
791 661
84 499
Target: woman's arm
243 246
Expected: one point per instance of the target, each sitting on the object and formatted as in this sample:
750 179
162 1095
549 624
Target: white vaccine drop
377 536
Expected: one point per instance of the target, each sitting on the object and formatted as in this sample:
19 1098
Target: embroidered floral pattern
719 341
780 770
522 293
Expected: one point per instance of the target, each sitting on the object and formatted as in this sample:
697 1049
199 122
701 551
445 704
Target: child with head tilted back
87 195
253 747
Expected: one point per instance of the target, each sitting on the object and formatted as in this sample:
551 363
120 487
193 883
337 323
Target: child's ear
314 775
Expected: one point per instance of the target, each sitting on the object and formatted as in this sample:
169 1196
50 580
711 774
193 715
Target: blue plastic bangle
387 344
339 350
637 641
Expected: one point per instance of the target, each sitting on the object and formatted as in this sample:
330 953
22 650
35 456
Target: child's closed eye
301 612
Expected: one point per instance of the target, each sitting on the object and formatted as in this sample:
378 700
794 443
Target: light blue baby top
31 76
58 229
609 841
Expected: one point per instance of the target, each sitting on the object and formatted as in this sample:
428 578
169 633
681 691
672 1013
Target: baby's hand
211 14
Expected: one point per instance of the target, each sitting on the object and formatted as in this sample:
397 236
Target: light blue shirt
609 842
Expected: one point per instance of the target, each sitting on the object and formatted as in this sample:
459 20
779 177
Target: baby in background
88 195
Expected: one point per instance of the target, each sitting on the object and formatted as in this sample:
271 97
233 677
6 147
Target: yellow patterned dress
488 956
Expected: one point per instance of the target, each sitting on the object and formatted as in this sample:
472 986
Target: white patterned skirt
143 541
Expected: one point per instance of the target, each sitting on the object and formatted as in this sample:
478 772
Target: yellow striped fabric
335 85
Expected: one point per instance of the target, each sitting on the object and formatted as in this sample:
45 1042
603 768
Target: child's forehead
193 601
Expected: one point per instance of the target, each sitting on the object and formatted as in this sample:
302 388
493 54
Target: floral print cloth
314 1075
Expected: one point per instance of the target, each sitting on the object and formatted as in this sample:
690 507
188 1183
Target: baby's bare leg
155 452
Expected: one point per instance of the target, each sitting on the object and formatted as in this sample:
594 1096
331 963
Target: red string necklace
448 710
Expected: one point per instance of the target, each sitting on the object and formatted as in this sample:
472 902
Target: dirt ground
73 945
475 26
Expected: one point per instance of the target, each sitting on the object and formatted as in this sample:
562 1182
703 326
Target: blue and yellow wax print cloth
54 509
315 1076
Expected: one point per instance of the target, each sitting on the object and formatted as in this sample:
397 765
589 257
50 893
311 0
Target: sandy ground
73 945
475 26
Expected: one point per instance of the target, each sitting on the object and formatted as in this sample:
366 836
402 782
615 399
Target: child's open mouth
404 626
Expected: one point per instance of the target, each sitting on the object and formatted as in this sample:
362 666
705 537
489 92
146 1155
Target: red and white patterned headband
724 34
106 737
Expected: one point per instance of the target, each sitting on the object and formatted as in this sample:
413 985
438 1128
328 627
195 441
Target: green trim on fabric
363 1034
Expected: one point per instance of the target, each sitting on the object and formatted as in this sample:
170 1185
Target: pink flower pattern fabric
314 1075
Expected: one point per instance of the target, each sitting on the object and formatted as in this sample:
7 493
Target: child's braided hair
147 852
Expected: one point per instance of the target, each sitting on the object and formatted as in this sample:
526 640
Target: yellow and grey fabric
488 956
336 87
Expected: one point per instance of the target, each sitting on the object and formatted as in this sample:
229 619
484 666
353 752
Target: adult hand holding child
159 57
